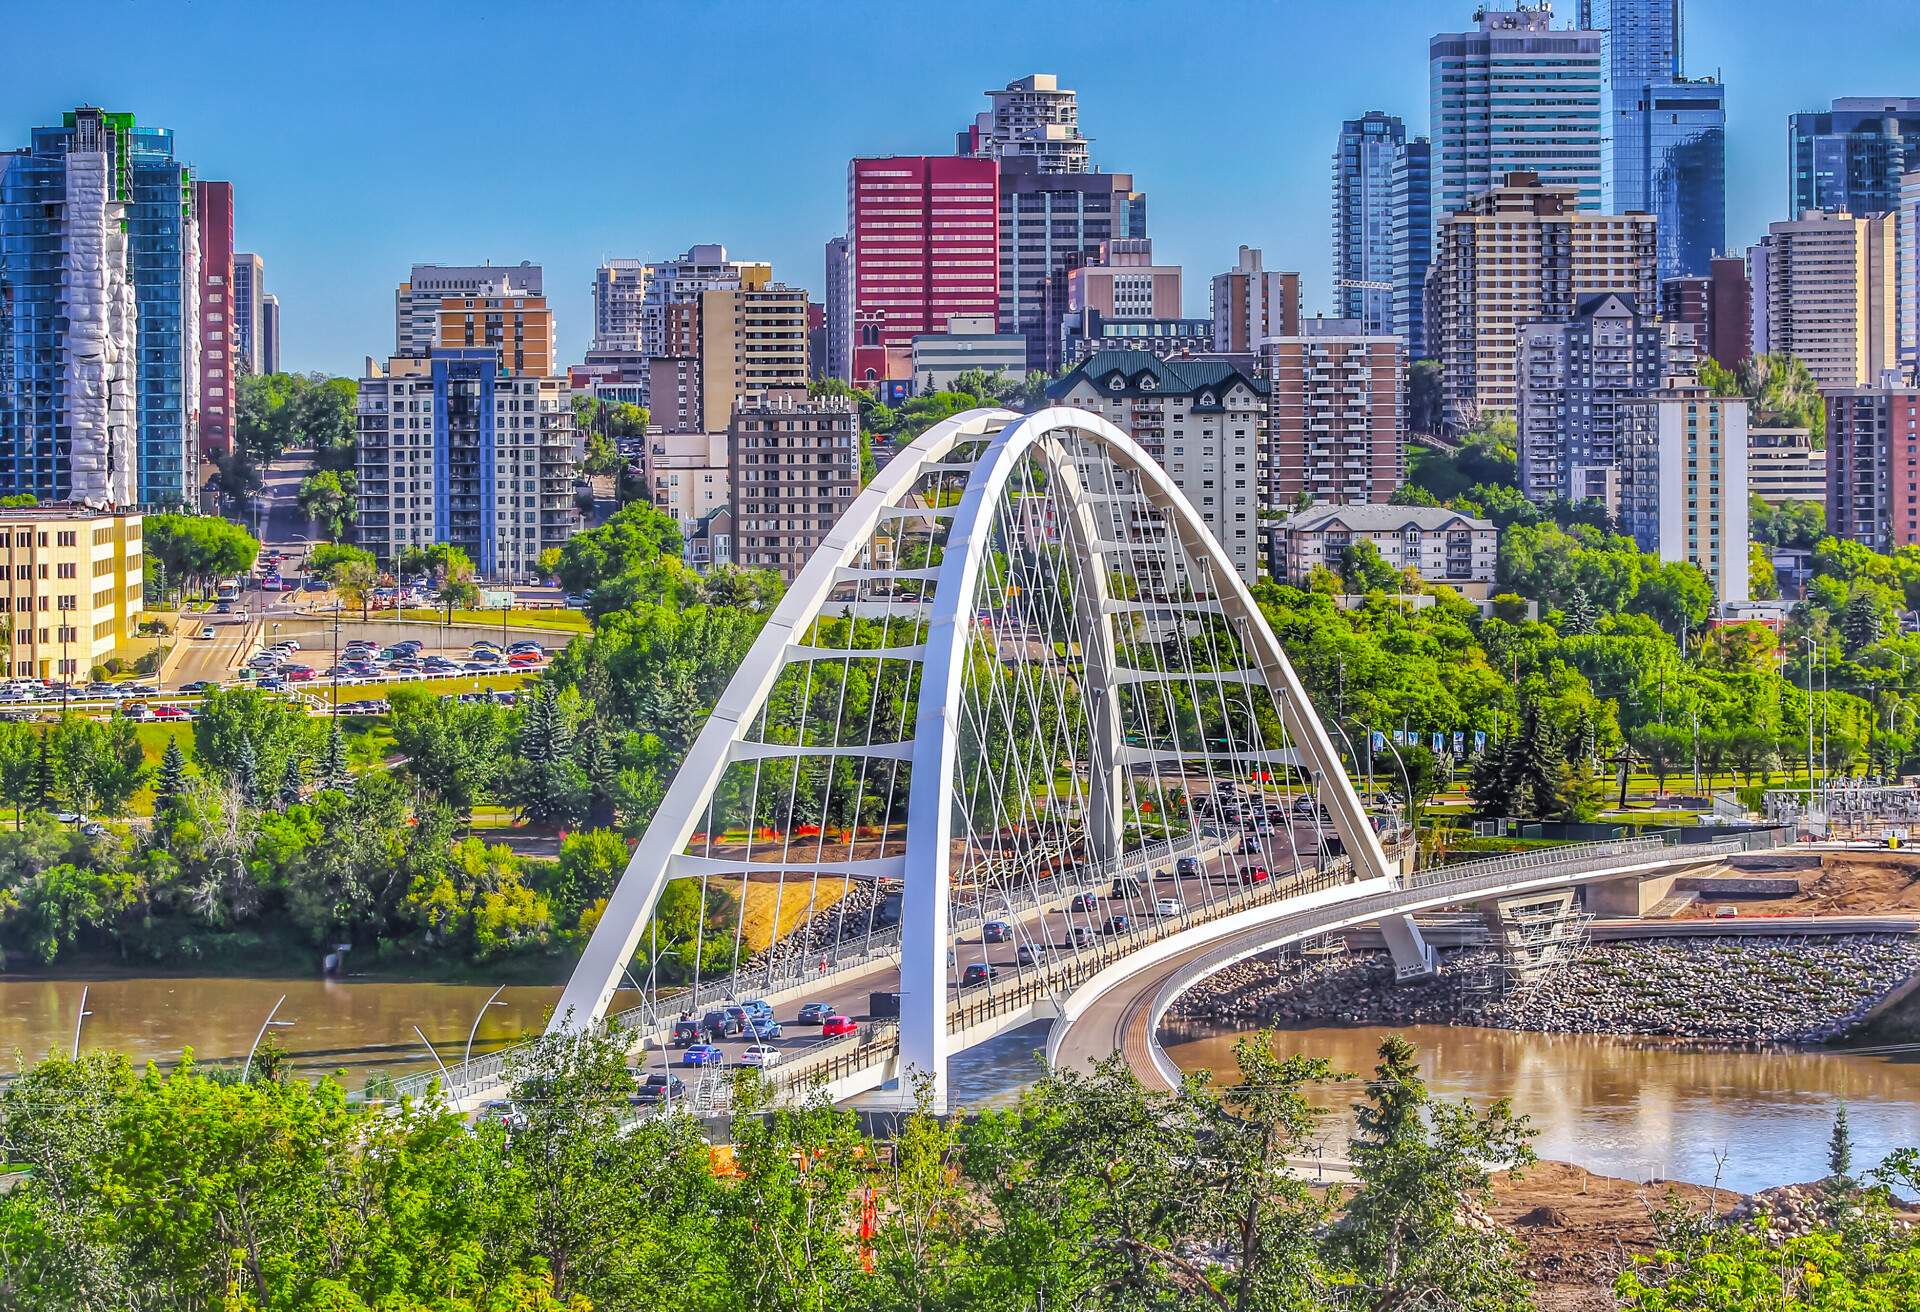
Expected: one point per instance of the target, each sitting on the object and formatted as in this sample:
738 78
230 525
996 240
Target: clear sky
363 137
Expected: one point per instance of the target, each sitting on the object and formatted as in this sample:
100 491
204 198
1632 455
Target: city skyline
340 224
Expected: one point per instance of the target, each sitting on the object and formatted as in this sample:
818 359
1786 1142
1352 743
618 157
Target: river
1624 1107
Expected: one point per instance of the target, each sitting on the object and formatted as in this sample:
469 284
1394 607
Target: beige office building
796 467
1783 466
1830 293
753 338
1683 483
71 581
1517 254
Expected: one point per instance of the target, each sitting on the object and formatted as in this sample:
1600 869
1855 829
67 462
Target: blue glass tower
1412 243
96 318
1665 148
1363 219
1851 156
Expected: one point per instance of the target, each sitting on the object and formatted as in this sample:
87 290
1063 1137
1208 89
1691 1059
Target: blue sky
362 137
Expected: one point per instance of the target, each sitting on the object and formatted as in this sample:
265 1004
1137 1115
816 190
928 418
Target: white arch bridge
1016 734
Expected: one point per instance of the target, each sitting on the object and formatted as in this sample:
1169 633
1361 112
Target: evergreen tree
1860 621
545 734
1491 781
1840 1146
593 749
246 773
332 769
1577 616
172 783
43 776
292 780
1537 767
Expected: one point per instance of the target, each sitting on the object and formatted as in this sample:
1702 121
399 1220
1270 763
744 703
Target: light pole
80 1020
269 1022
1811 647
467 1056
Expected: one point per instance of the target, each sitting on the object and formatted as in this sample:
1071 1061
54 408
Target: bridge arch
1062 626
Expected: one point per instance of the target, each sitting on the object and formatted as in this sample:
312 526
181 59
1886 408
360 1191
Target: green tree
293 782
1364 571
197 549
97 766
1663 747
455 750
1840 1146
329 499
20 746
331 771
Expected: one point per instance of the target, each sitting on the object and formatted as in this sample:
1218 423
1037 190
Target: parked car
288 644
523 659
702 1054
272 683
531 648
138 711
1169 906
686 1031
170 713
659 1086
762 1055
297 673
814 1013
835 1026
996 931
200 685
315 585
977 973
1118 923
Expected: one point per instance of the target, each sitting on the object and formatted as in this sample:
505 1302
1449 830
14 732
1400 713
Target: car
977 973
440 665
94 829
575 601
98 689
271 583
1084 902
814 1013
758 1008
996 931
413 645
722 1025
375 706
1026 956
170 713
1079 937
686 1030
287 644
659 1086
503 1112
138 711
836 1026
483 644
200 685
1117 923
765 1029
1187 867
1255 874
478 667
526 648
1169 906
297 673
524 659
702 1054
762 1055
209 632
272 683
486 656
68 817
314 585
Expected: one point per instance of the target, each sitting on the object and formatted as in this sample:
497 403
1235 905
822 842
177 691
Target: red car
170 713
834 1026
1254 875
297 673
523 658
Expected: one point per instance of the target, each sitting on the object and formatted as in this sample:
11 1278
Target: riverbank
1720 990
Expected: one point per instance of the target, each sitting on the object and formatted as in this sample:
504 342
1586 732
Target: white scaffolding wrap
97 300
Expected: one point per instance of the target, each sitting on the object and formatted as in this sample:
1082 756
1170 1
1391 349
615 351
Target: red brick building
213 212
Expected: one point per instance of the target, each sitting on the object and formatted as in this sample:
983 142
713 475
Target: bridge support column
1413 956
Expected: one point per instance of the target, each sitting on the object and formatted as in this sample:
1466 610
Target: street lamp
1811 647
467 1056
269 1022
80 1020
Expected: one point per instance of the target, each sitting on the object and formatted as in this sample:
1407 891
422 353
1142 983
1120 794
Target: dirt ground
1580 1230
1842 883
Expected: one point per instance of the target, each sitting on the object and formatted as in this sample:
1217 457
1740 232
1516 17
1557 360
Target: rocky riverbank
1708 988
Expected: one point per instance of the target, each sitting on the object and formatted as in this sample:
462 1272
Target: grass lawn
447 687
568 621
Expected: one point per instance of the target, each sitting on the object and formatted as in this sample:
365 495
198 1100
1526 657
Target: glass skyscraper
1412 243
98 315
1665 147
1363 219
1851 157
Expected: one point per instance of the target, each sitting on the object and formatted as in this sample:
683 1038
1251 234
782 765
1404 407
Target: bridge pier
1413 956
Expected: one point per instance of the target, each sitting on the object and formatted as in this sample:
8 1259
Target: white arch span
987 447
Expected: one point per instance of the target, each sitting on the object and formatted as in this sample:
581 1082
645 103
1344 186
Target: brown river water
1625 1107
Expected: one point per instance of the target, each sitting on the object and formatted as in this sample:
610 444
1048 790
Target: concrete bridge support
1413 957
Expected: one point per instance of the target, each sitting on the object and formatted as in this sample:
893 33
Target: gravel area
1717 989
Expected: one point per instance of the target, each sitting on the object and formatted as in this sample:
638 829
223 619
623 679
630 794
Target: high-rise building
1364 161
1683 483
454 448
923 245
416 303
1515 96
270 334
796 467
99 315
1050 224
686 474
1729 337
1035 118
1337 423
619 286
1204 421
1125 283
1873 463
1664 148
969 343
672 286
1086 332
1827 281
219 382
519 328
838 357
752 339
249 290
72 585
1412 206
1522 252
1851 157
1575 375
1907 299
1252 303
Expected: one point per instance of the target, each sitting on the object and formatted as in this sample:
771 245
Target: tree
545 782
1861 621
246 774
97 766
292 783
456 751
1364 571
633 538
1762 582
1663 747
1577 617
20 746
1425 396
196 549
1675 593
331 771
1840 1146
171 785
329 499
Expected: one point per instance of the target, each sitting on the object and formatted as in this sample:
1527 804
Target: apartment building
1085 333
1032 118
1574 375
1717 305
269 334
455 447
249 303
99 315
1907 298
1850 158
619 288
219 381
687 475
1783 466
1442 546
1204 421
1520 253
1371 177
72 587
1252 303
796 468
837 360
1051 223
1873 463
1337 426
417 301
1683 483
1830 290
520 328
753 338
1126 283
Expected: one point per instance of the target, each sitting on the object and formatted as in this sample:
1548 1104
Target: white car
762 1055
1169 906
